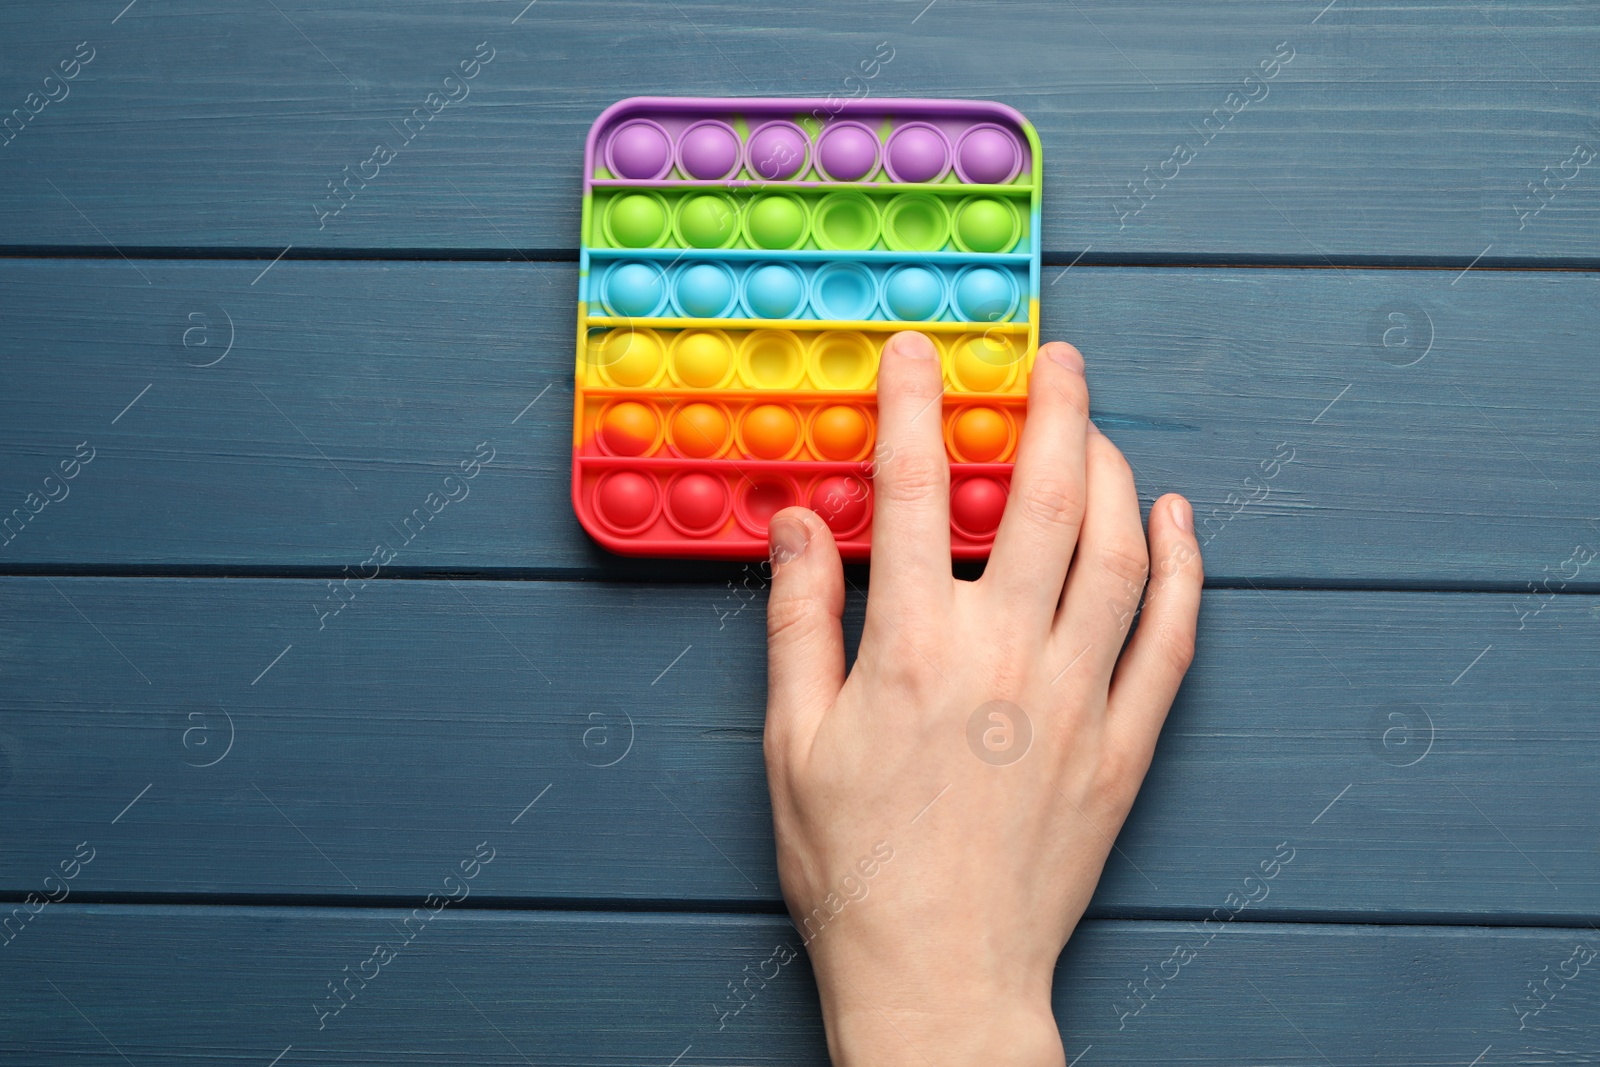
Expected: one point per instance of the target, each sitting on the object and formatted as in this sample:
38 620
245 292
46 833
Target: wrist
937 1014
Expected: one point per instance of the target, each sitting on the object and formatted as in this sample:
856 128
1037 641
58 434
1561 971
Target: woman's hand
943 813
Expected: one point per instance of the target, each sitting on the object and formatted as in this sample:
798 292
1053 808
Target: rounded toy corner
1015 116
606 120
619 109
1027 128
620 546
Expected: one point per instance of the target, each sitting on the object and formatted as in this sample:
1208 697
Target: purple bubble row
846 151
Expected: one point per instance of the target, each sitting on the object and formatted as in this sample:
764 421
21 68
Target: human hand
937 848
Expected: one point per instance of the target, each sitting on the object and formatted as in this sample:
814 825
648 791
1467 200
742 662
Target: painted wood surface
1252 131
254 775
1405 428
227 985
1423 755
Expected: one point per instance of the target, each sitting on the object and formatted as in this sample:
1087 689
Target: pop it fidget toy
743 263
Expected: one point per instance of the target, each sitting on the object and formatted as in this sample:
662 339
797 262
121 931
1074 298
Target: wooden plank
351 391
242 985
1417 752
1352 148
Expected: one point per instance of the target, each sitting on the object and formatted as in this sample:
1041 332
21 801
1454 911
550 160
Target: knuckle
1108 459
1184 568
1052 501
1180 570
1124 559
1176 645
1008 678
914 474
913 681
911 397
791 618
1175 563
907 662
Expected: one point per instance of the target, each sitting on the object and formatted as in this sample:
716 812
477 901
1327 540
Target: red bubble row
649 505
700 503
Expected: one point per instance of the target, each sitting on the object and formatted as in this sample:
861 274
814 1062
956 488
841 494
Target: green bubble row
847 221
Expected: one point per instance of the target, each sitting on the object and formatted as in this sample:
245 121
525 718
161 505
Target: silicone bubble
708 150
777 150
843 501
629 429
917 152
916 222
639 149
771 359
976 507
705 290
701 359
841 432
846 222
984 224
630 357
988 155
984 294
845 291
635 289
915 294
769 431
707 220
760 498
842 360
984 364
980 435
697 503
699 430
776 221
847 151
626 500
774 291
637 220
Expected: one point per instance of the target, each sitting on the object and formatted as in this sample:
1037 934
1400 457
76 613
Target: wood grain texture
352 390
1400 131
1420 755
229 985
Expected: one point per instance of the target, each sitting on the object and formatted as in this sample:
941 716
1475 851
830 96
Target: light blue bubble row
836 289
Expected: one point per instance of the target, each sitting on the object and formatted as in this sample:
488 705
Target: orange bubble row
992 361
783 430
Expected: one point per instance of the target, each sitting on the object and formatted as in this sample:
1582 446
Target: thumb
805 641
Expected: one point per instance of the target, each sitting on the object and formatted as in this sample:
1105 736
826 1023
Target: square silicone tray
743 262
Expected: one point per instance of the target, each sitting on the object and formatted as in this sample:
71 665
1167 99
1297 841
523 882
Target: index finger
911 481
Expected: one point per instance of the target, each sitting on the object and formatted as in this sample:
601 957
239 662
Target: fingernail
1065 355
1182 515
911 345
787 538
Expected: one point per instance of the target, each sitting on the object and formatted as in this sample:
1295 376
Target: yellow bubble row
993 361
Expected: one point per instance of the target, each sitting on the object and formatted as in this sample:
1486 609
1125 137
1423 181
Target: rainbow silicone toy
743 262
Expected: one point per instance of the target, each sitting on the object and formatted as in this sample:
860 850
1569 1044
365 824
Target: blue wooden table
497 797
